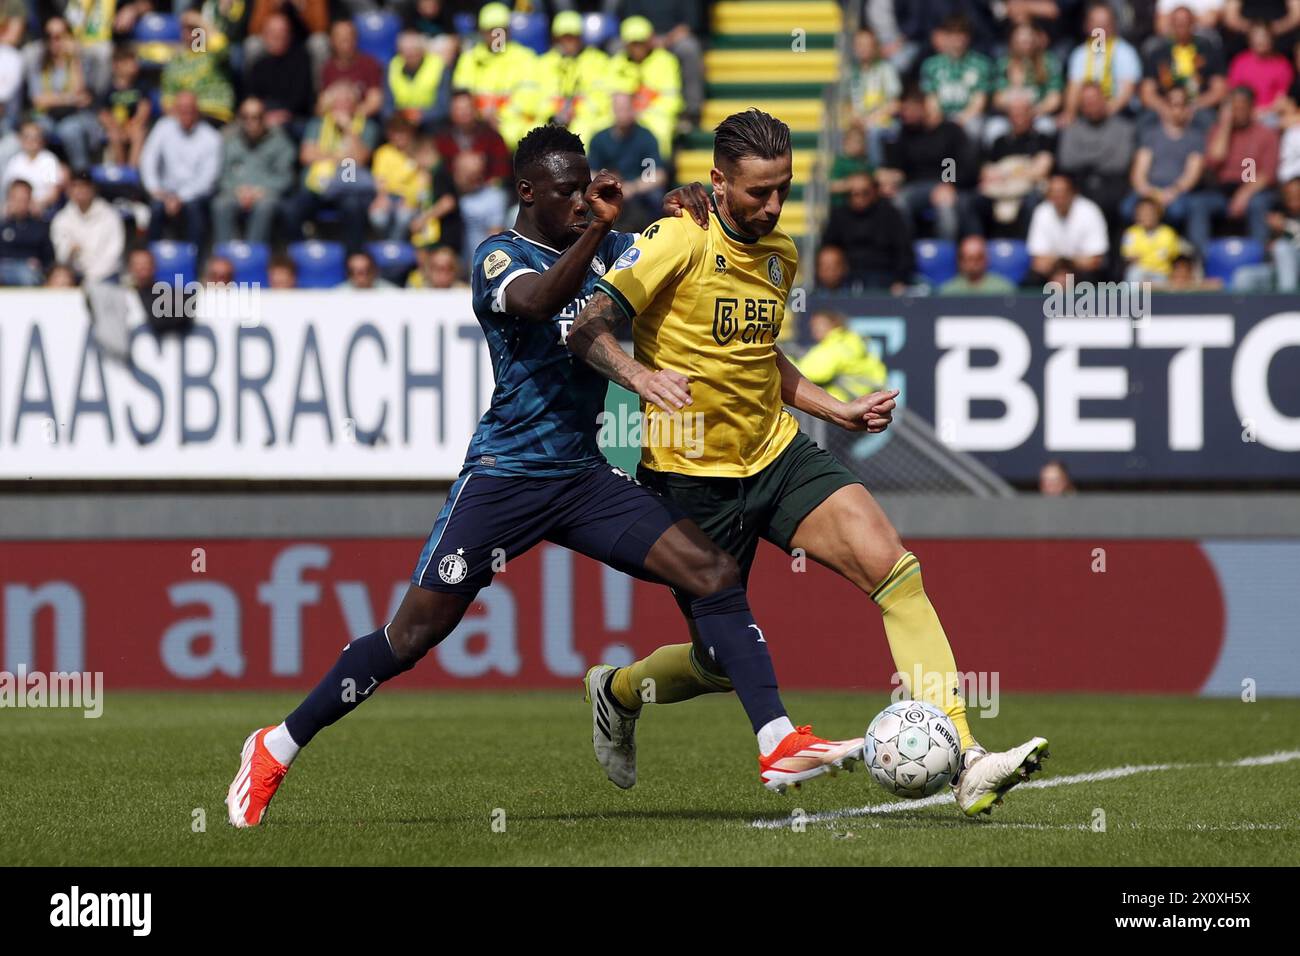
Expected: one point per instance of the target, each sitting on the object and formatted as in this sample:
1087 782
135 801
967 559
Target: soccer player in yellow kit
707 307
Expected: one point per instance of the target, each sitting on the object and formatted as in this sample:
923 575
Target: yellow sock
668 675
918 643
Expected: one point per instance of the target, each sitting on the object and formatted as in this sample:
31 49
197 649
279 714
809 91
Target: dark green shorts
737 512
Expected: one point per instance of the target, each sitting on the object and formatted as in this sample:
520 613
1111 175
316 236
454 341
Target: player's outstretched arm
537 297
592 339
868 413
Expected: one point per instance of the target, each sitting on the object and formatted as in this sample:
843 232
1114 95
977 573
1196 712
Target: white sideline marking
1113 773
1235 826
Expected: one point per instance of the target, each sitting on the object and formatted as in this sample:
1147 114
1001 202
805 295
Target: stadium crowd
1096 138
1104 140
241 128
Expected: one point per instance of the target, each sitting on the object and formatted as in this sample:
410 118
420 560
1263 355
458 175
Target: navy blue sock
362 666
733 640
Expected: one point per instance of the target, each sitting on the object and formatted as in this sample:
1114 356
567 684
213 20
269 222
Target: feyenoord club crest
453 568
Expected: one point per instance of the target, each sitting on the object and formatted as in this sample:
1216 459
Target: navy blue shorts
488 519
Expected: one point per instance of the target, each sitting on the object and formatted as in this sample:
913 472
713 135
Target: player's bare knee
410 641
720 571
875 563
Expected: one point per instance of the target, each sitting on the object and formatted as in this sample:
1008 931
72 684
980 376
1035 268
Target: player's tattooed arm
868 413
593 340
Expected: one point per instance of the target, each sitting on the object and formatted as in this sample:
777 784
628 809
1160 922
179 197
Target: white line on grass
1113 773
1235 826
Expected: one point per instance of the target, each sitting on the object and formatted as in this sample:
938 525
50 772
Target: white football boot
613 729
985 777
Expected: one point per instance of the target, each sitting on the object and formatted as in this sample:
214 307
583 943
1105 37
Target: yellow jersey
398 174
1154 251
709 304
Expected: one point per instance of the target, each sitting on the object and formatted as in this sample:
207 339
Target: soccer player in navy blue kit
534 472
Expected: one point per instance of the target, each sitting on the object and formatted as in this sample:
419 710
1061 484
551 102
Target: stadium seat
395 260
936 259
1009 258
377 34
320 265
249 258
598 29
171 258
465 23
111 175
1224 256
532 30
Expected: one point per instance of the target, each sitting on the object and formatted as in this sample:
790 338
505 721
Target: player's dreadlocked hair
752 134
541 142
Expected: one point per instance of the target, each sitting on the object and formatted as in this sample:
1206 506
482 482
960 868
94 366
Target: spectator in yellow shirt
502 75
652 76
401 185
1149 245
573 80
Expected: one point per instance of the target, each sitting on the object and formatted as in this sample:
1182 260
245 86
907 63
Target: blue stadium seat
109 175
249 258
394 259
1224 256
936 259
157 28
320 265
532 30
1009 258
171 258
377 34
465 23
598 29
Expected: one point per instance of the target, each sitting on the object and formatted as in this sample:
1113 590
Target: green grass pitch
415 778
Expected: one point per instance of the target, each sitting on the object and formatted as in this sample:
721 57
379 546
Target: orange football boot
801 756
253 787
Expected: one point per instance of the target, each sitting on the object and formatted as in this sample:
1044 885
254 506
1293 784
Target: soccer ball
912 749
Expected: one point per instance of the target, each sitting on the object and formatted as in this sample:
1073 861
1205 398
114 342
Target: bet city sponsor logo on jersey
751 321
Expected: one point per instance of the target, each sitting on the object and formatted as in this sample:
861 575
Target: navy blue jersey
543 416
